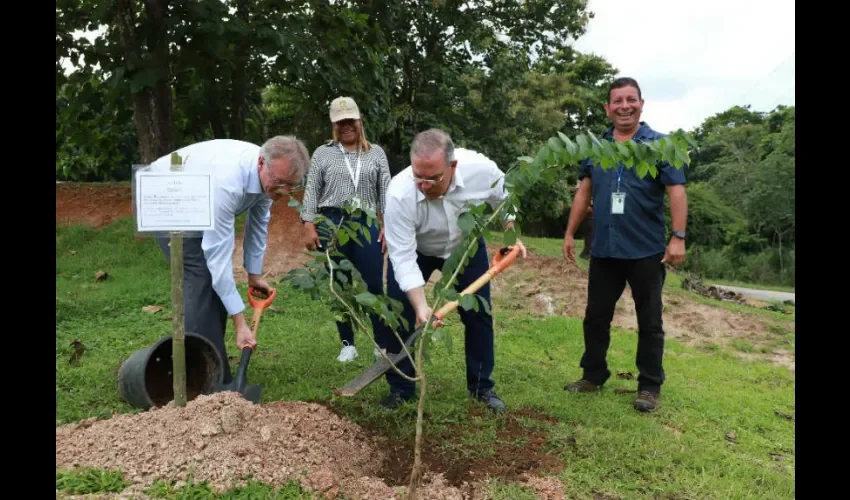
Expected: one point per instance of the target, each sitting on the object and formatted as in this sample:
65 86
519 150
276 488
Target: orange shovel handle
503 258
254 296
259 306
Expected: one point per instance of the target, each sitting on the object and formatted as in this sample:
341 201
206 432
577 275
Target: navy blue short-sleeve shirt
639 231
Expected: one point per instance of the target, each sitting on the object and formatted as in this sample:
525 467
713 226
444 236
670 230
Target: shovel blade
253 393
375 371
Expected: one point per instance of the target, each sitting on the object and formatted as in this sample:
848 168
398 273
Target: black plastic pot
145 379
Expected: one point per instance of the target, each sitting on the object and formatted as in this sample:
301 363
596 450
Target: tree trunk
152 104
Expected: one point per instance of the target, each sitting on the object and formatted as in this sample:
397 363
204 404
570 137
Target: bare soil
520 451
224 439
548 286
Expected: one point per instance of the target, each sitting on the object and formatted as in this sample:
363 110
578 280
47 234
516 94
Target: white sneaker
347 354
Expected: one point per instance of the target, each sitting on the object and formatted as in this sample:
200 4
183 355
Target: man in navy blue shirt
629 246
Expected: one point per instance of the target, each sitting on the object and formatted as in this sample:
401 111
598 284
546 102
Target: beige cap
344 108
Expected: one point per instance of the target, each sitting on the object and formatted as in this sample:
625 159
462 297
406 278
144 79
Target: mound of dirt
224 439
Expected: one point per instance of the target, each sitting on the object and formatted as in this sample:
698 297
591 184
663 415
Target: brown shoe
647 401
582 386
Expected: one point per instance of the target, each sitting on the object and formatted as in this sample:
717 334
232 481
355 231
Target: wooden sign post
179 204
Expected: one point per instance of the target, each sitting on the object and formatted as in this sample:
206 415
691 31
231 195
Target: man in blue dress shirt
248 178
629 246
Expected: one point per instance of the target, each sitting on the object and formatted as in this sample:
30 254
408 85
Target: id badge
356 202
618 203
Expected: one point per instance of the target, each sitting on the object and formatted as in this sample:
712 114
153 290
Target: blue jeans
478 326
367 259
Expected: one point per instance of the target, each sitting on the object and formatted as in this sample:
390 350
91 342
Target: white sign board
174 201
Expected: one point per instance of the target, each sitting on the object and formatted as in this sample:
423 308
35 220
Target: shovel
240 383
503 258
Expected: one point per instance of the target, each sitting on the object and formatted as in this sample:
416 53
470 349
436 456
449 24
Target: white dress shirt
237 189
414 223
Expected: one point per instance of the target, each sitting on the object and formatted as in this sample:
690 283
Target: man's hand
569 249
311 237
245 337
675 253
421 307
423 315
257 281
383 241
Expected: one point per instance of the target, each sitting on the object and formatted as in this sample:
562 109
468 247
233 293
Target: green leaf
608 149
642 169
468 302
583 145
510 237
343 237
653 171
526 159
346 265
484 304
466 222
303 282
542 155
450 294
366 298
555 144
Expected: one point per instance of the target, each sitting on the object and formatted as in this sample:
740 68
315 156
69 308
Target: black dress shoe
492 401
394 400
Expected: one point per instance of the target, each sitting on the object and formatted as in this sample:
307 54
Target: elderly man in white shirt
248 178
424 202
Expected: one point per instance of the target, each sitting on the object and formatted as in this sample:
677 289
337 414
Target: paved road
765 295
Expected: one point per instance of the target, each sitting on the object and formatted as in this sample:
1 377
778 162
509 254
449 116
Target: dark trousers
203 312
607 280
368 259
478 326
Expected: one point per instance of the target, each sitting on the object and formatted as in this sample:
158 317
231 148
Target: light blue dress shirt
237 190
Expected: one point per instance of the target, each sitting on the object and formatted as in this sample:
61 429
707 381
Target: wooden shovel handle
503 258
259 306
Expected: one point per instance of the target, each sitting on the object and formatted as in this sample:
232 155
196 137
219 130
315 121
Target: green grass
606 447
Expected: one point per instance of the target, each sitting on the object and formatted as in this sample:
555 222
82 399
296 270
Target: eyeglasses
429 182
279 183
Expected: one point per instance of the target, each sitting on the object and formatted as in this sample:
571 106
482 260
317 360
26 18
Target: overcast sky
696 58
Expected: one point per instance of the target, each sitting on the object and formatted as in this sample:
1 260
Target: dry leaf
730 436
625 376
79 349
100 276
152 309
783 414
623 390
73 252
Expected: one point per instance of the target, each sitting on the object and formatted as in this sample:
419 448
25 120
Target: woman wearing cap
349 169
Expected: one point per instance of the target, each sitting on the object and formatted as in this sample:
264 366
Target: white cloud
696 58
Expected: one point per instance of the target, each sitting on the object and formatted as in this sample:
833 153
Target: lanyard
355 175
619 177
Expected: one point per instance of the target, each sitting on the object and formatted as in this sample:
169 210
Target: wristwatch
679 234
